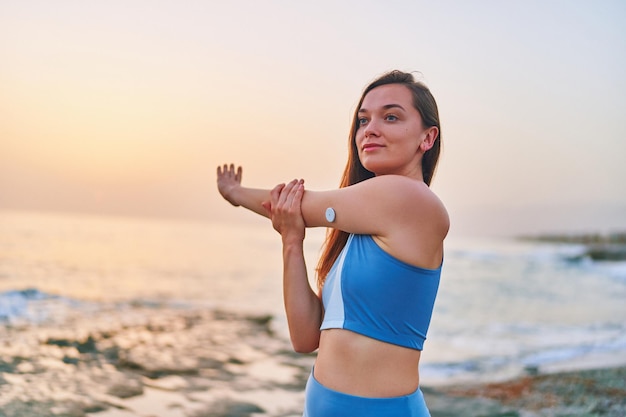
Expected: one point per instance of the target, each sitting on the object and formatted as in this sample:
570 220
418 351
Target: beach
110 317
143 360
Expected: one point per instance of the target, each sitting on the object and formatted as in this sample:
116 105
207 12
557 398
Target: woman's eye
362 121
391 118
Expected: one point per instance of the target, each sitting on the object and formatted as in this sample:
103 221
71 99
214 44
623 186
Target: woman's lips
371 147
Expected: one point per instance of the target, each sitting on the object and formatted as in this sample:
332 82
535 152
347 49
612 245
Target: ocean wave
31 306
616 270
608 348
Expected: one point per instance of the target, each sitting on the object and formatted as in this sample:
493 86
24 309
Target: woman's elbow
304 346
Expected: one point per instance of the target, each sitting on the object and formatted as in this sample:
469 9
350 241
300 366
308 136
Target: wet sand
132 361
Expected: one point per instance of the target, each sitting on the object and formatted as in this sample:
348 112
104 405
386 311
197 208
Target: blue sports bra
370 292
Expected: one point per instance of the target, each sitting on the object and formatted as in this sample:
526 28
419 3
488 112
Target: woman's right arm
229 186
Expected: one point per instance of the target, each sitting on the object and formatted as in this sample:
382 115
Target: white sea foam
30 305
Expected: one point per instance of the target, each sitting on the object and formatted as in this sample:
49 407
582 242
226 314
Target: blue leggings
324 402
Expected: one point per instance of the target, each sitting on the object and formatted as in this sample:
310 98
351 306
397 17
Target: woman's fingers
284 208
289 200
297 197
228 179
284 197
230 172
275 194
294 197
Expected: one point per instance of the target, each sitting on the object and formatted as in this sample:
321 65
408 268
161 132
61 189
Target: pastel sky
127 107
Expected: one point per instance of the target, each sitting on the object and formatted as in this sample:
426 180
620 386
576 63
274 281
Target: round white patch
330 214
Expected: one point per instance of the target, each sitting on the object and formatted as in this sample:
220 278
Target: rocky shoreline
598 246
137 360
586 393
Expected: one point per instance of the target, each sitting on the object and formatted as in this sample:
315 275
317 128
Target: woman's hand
228 180
285 211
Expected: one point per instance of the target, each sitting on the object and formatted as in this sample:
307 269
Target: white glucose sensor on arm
330 214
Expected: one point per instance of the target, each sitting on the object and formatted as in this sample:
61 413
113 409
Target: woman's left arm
302 305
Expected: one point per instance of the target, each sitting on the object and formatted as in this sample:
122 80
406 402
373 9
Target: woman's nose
371 128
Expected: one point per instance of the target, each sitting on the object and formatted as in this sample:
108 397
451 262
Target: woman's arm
302 305
378 206
229 186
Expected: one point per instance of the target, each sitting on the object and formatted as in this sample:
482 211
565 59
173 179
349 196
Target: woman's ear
429 140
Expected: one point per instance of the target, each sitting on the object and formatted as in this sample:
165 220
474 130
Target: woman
379 272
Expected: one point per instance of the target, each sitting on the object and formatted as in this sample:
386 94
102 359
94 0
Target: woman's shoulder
417 224
414 201
402 188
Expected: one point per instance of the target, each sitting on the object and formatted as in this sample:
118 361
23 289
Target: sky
127 107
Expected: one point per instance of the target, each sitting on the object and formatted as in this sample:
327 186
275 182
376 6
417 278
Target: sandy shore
140 361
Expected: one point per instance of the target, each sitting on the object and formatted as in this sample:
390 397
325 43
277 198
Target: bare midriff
358 365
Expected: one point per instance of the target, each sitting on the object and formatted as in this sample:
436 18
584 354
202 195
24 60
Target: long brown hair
354 172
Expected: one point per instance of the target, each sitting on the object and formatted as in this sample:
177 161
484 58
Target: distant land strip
598 246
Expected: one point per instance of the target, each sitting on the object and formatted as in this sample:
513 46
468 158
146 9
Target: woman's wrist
293 245
231 196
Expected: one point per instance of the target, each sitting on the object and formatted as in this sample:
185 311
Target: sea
505 306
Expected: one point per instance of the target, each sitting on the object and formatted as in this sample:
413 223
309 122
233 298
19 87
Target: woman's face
391 138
